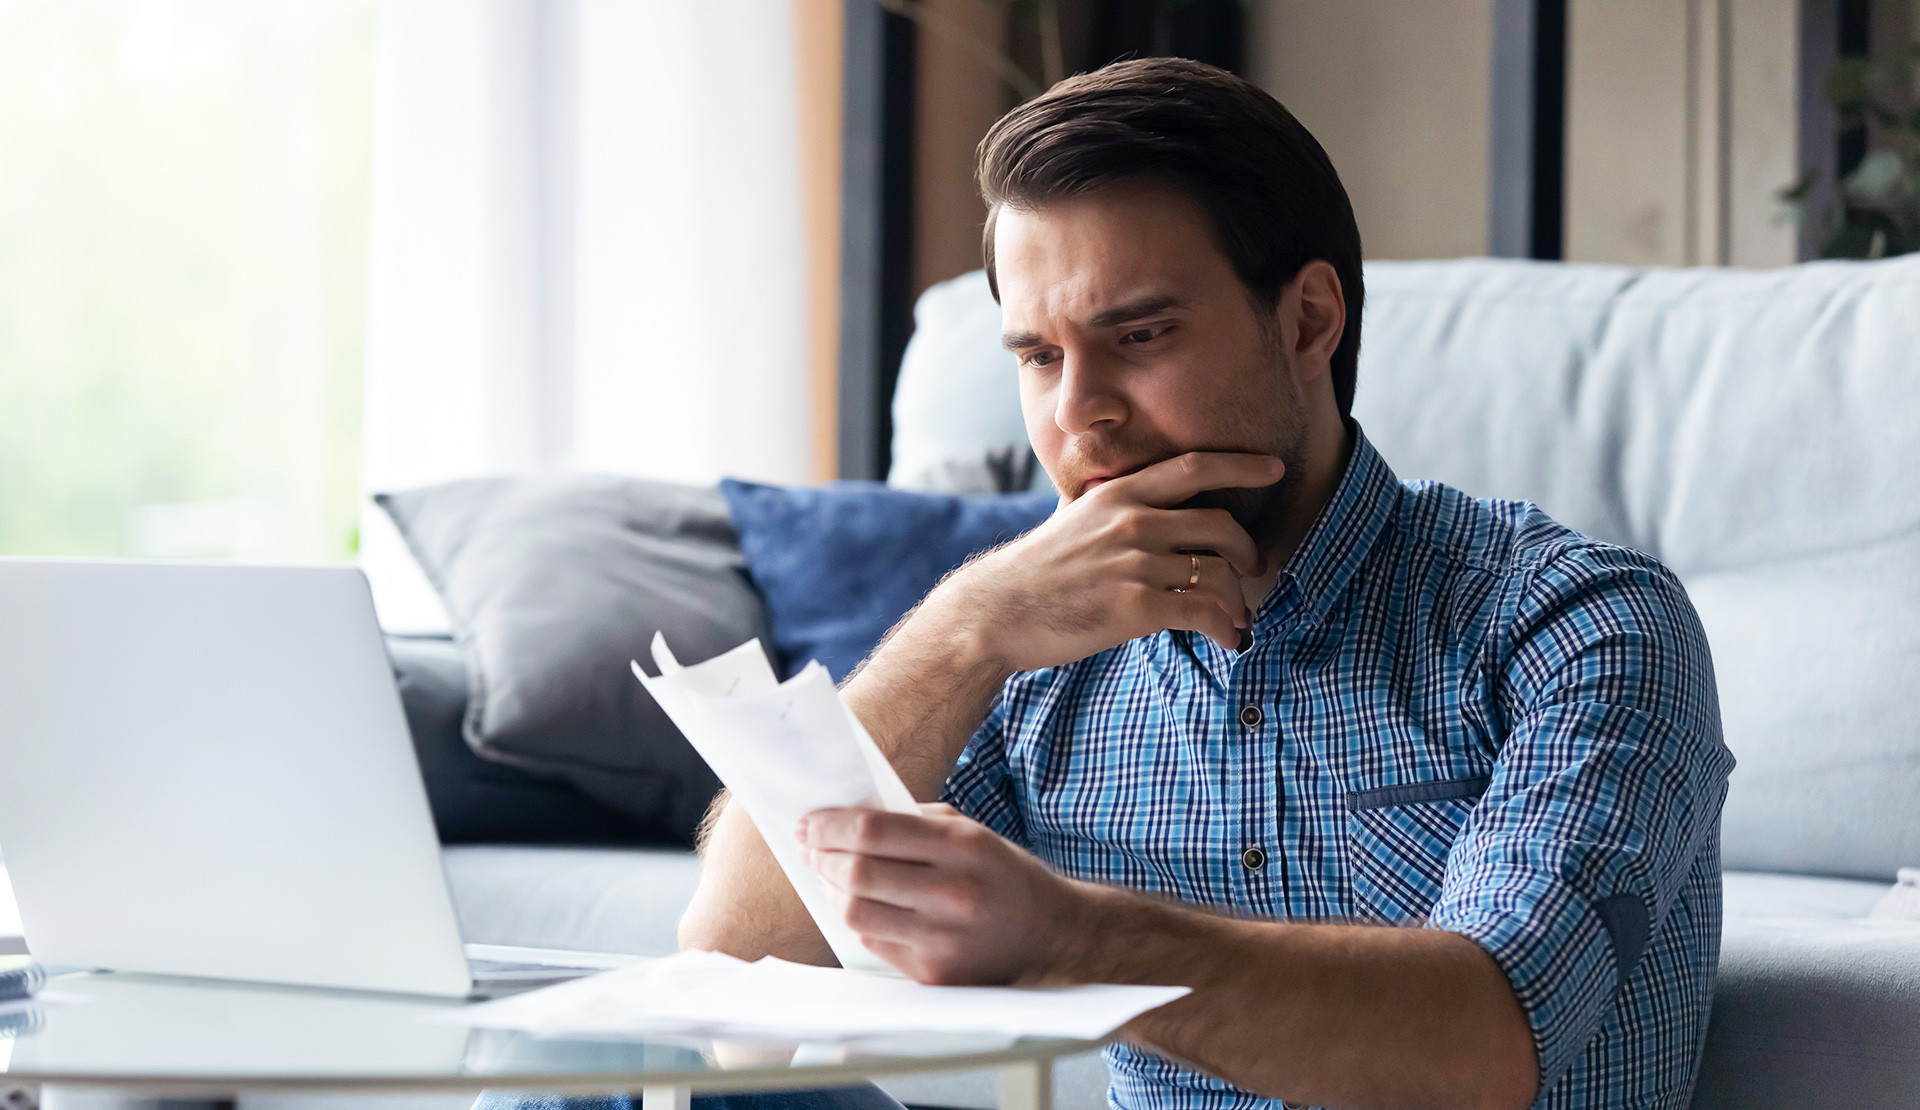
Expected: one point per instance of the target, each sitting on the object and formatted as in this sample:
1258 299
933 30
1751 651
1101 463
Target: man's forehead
1072 261
1084 300
1077 287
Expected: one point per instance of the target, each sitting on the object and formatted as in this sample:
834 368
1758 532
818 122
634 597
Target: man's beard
1261 511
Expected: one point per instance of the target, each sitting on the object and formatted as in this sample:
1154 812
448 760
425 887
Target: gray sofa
1758 431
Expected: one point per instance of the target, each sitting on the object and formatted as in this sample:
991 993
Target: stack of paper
784 750
707 994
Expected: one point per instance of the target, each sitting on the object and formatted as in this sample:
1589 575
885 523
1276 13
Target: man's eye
1138 335
1039 358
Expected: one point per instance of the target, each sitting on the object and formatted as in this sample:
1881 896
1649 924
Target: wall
1399 94
819 35
1681 121
956 101
1681 125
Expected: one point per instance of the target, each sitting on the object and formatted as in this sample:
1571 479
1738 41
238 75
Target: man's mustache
1106 457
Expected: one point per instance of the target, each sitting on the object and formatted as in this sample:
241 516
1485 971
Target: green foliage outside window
183 195
1875 212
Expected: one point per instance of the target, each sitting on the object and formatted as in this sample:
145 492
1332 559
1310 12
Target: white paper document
707 994
784 749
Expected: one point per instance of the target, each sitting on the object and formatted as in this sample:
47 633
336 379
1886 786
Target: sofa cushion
626 900
1815 1005
1902 903
840 564
1751 894
480 800
554 584
1755 430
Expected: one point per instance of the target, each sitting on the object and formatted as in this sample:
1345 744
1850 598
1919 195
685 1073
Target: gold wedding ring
1194 578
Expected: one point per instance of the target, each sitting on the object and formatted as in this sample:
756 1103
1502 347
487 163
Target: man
1420 794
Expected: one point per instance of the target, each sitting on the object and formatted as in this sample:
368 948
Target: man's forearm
744 905
925 691
1331 1015
921 696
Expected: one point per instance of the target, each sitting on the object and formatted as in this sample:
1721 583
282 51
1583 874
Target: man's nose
1088 397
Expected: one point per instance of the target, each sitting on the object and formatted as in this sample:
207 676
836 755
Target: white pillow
958 397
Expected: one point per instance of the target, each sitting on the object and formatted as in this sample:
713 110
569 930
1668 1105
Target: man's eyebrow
1118 314
1134 310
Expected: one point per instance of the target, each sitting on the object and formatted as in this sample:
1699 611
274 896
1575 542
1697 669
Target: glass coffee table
147 1037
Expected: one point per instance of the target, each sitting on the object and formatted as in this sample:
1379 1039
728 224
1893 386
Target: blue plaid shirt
1455 712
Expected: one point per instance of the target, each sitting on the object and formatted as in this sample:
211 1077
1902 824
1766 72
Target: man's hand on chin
1114 564
941 896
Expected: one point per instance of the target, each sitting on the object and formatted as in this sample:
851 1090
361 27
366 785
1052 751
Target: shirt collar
1339 541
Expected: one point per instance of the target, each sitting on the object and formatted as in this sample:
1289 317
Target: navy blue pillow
840 564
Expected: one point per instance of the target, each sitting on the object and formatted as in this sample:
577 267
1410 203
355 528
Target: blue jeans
865 1096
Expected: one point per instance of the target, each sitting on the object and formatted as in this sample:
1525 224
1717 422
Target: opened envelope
784 749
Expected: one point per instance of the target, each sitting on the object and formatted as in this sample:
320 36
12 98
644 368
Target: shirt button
1289 1104
1253 859
1251 716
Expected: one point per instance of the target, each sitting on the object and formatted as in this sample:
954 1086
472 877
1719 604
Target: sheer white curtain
587 250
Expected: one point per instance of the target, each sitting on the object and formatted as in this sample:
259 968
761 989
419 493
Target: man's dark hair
1274 199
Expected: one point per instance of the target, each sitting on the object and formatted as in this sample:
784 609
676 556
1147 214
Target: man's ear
1319 310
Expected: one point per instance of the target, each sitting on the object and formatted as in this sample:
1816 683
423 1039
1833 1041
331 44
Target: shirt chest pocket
1398 838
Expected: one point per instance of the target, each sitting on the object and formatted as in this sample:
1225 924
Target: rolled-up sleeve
981 786
1608 784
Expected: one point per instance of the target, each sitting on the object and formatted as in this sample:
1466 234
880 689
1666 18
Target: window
183 226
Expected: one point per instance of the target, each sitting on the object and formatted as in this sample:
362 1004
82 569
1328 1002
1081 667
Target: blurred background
183 276
259 260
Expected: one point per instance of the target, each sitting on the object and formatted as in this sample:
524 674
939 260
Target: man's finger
1208 576
1171 481
875 832
895 882
1210 531
880 921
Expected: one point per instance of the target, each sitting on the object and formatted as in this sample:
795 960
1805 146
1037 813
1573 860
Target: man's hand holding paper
917 888
942 897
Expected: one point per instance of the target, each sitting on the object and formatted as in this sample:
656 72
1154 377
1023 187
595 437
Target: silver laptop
205 770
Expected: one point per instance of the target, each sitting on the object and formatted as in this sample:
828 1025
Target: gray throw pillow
483 801
553 584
